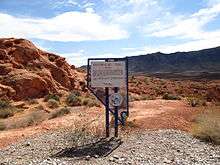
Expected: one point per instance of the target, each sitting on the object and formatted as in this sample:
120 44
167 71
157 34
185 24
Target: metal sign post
107 79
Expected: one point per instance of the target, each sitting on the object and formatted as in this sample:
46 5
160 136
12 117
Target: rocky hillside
197 61
28 72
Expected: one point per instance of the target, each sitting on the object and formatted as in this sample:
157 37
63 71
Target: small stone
167 161
27 144
115 156
96 156
87 157
111 159
121 159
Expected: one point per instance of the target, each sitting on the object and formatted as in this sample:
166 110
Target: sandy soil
150 114
162 114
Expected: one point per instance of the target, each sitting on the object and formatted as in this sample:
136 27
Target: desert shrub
75 92
53 103
134 98
206 126
147 97
6 112
33 118
146 80
32 101
52 58
60 112
143 97
52 96
83 85
4 104
90 102
170 97
6 109
195 101
2 126
73 99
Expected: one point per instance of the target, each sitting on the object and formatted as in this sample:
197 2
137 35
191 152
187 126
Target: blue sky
79 29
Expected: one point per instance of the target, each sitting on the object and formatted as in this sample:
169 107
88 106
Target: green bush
52 96
73 99
170 97
60 112
207 127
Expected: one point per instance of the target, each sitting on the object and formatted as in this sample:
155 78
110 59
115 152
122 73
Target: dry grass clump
32 101
207 126
4 104
6 109
168 96
2 126
90 129
52 96
73 99
90 102
52 103
196 101
6 112
76 99
33 118
141 97
59 112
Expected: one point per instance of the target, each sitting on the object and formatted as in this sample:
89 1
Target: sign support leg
107 112
116 115
127 96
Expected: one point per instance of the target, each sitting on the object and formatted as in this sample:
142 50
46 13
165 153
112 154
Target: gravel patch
149 147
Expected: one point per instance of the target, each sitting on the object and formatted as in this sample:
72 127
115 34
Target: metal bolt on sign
107 79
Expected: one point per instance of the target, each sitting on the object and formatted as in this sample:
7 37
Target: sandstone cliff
28 72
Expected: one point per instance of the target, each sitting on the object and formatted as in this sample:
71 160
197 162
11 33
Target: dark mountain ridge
207 60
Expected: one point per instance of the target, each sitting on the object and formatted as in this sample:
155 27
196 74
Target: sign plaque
108 74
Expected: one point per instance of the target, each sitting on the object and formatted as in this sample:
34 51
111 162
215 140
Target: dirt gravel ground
148 147
156 134
149 114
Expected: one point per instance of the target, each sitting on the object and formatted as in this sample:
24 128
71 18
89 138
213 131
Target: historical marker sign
107 79
108 74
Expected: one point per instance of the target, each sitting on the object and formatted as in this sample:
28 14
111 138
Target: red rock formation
28 72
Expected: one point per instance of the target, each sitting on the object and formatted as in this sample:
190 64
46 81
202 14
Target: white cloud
69 26
78 58
132 12
172 48
190 27
89 10
64 3
212 2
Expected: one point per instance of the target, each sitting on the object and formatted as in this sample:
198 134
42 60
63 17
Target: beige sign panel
108 74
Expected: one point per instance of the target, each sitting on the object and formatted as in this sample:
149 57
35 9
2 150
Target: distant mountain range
207 60
201 64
